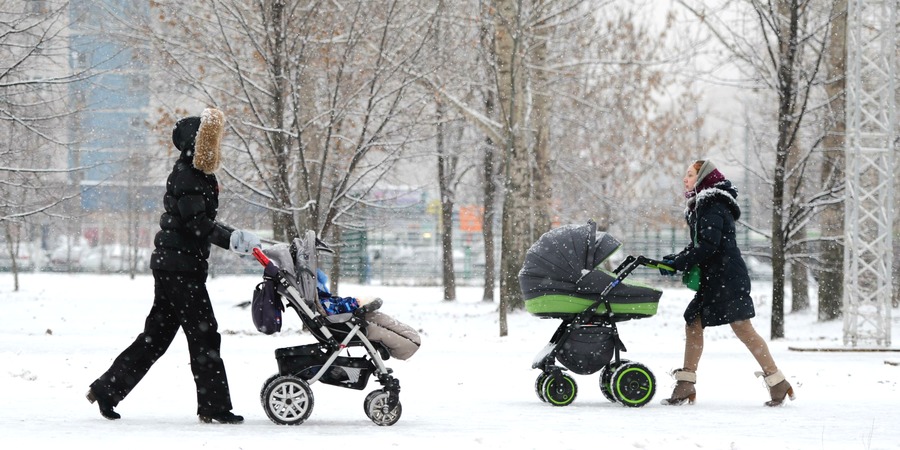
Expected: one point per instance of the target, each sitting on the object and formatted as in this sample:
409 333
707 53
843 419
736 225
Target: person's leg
134 362
204 341
693 345
779 388
686 377
744 330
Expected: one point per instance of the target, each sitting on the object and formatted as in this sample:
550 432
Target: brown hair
697 165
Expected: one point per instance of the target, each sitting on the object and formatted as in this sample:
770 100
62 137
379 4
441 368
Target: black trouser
181 300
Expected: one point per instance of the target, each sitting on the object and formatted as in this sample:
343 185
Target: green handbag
691 278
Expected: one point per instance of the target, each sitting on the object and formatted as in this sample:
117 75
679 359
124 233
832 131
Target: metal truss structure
871 144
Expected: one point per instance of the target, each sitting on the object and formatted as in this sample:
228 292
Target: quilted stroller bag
400 339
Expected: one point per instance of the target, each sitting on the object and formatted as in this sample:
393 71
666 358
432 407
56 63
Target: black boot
221 417
106 410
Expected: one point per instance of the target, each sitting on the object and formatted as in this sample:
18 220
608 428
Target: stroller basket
587 349
304 361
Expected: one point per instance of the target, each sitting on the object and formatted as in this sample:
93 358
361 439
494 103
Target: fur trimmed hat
200 138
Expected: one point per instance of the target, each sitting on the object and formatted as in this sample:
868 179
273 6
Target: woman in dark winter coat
724 293
188 227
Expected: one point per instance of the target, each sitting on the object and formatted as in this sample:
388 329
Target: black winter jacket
188 226
724 294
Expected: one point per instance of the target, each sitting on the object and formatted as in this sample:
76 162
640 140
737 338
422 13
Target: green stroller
562 279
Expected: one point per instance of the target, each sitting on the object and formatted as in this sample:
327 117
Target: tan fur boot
779 388
684 388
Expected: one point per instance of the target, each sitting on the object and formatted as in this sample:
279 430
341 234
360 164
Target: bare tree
831 274
33 110
786 62
319 107
617 140
533 52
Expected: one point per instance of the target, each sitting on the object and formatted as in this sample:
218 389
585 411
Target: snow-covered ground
465 388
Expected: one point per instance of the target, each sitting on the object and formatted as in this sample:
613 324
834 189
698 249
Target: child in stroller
562 279
286 396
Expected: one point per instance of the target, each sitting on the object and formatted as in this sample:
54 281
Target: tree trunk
335 277
11 250
831 274
543 188
446 217
487 221
446 169
490 187
787 95
515 216
283 223
799 282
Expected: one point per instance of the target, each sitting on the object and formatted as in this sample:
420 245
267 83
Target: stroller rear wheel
605 389
606 379
376 407
262 390
559 390
288 400
632 384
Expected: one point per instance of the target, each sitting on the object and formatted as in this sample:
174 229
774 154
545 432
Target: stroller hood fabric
561 275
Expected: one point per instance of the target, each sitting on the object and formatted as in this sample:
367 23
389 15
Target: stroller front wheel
559 390
288 400
376 407
539 386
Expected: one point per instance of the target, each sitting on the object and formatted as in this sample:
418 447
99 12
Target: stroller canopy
561 275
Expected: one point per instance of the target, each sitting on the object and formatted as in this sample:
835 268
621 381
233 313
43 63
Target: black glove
667 262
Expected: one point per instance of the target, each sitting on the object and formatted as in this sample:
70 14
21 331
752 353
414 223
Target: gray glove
243 242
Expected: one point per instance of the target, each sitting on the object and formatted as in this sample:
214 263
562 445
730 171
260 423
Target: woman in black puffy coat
188 228
724 293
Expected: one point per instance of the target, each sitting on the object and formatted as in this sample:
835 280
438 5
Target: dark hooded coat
188 226
181 300
724 294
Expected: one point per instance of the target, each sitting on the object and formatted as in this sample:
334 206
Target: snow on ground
465 388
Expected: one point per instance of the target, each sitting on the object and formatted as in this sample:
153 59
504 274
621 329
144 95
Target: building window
81 59
38 6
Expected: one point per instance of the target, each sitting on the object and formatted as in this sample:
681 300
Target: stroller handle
260 256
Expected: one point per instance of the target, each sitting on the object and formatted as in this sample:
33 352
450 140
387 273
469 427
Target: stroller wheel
539 386
262 390
376 407
605 386
559 390
632 384
288 400
606 379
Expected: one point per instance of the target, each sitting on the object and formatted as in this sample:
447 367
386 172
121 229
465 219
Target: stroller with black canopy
562 279
286 396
